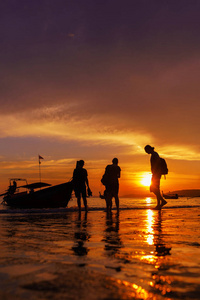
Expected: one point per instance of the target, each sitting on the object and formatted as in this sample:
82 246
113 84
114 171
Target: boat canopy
35 185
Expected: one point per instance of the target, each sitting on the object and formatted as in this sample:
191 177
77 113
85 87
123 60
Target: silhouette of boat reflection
37 195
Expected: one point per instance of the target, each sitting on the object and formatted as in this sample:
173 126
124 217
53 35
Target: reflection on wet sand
131 252
156 237
112 238
159 242
154 234
81 236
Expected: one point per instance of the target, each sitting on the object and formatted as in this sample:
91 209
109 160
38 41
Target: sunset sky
93 80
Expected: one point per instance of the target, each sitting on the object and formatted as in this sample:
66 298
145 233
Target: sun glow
146 180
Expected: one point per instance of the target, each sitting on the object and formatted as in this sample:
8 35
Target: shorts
155 183
112 190
80 192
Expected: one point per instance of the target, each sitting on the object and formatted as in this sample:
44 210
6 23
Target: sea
140 253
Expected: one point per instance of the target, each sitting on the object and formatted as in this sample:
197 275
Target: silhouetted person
80 181
156 175
112 173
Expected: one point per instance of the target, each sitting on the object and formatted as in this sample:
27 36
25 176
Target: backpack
104 179
163 166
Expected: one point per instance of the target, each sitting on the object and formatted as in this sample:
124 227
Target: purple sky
97 79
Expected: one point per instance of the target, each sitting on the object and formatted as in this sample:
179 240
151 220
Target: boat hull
51 197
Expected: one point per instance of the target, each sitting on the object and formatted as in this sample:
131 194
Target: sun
146 180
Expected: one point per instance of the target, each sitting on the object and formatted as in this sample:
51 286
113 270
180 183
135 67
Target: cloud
139 93
49 123
62 122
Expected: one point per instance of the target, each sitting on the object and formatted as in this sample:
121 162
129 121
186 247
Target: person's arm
86 178
119 174
73 176
155 163
89 192
87 182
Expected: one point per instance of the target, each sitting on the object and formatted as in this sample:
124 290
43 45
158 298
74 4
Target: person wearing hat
156 176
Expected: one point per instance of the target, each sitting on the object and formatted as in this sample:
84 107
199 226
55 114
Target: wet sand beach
140 254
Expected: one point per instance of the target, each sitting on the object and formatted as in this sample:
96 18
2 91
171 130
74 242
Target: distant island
187 193
181 193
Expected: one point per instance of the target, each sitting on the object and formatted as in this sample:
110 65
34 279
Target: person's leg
158 206
79 203
108 202
160 200
155 188
117 203
85 203
163 201
105 194
84 195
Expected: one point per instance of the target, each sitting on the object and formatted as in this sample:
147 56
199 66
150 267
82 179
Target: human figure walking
80 181
112 175
156 175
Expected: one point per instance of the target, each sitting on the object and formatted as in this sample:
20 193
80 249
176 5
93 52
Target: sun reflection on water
148 200
150 232
136 291
158 257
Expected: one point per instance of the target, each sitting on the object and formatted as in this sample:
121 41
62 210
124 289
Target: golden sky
82 80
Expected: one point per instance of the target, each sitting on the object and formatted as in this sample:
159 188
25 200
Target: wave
75 209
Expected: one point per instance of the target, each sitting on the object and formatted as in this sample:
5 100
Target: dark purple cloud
101 23
108 56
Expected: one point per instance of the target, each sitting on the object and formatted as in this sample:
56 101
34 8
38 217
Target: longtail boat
37 195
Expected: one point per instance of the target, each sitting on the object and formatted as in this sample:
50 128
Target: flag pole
39 157
39 167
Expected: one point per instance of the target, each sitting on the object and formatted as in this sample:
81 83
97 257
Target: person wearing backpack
111 181
157 171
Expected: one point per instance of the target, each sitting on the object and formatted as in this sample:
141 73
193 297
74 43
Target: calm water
152 254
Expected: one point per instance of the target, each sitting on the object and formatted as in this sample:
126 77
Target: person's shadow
81 236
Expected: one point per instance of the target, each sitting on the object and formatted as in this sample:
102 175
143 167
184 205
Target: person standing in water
80 181
156 176
112 174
